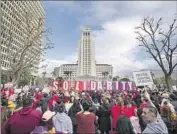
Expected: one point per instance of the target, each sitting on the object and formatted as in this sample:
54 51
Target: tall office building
86 54
86 66
12 12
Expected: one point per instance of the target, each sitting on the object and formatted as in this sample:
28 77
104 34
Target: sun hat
47 115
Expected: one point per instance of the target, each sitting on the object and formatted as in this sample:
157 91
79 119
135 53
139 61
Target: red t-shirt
144 105
129 111
86 123
115 114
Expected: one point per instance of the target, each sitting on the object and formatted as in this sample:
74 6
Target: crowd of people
89 112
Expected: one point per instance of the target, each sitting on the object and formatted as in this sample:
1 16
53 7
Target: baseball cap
47 115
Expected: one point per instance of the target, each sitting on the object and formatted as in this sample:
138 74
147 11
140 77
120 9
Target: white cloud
50 64
115 43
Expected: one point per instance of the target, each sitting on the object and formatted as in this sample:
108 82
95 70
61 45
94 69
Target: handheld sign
143 78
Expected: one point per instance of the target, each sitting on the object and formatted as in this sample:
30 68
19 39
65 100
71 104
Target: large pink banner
94 85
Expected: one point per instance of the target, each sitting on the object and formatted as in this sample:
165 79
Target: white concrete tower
86 55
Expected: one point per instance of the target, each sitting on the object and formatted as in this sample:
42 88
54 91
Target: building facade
104 70
86 54
14 30
86 66
68 70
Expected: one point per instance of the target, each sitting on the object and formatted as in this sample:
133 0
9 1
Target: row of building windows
86 34
104 69
4 57
67 66
12 11
4 64
72 75
86 42
15 35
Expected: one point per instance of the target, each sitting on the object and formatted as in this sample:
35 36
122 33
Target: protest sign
17 91
143 78
8 85
95 85
174 88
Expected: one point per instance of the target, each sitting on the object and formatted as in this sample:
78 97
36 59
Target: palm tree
105 73
116 78
124 79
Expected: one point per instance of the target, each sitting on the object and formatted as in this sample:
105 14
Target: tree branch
150 27
25 56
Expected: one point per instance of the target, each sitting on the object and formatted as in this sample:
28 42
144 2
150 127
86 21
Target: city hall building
86 66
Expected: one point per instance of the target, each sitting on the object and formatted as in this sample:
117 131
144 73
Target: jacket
23 121
62 122
158 127
104 120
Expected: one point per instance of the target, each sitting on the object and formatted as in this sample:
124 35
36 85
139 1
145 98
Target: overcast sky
113 24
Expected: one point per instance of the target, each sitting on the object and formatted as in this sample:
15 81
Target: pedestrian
61 120
150 115
86 120
25 120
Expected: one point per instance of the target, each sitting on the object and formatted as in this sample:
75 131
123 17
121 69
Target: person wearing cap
47 124
11 104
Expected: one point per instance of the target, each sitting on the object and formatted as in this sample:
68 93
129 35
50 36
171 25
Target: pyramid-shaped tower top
86 28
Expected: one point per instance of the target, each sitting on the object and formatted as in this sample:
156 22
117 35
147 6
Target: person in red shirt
53 101
144 103
25 120
130 108
116 111
86 120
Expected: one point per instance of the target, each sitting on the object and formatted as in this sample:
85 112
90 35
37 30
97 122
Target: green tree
25 79
124 79
116 78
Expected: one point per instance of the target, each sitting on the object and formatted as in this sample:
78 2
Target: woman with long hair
104 121
124 126
75 108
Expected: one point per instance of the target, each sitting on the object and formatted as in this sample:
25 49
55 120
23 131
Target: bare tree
159 44
24 57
